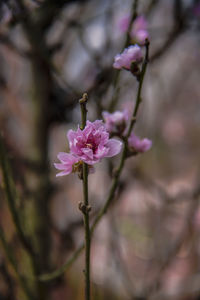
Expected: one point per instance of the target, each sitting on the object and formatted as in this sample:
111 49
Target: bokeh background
147 246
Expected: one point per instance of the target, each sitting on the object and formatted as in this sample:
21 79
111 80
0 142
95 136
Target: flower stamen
89 146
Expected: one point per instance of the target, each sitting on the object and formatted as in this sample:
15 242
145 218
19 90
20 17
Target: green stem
139 90
60 271
12 261
85 206
87 232
112 191
11 196
63 268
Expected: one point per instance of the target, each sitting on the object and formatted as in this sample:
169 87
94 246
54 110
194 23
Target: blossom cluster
116 124
93 143
89 145
130 58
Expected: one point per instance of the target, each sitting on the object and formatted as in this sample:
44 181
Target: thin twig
115 97
11 198
12 260
84 207
138 97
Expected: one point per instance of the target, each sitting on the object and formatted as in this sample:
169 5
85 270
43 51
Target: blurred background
147 246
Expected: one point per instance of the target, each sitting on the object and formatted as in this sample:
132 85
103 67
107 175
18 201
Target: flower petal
71 135
101 152
146 144
63 173
88 152
88 161
67 157
114 147
59 166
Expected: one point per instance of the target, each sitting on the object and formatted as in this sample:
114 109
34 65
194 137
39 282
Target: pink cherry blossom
67 162
139 30
139 145
124 23
92 143
140 23
131 54
116 122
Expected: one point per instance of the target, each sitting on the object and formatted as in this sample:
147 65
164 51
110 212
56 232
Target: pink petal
101 152
146 144
126 114
66 157
118 62
60 166
124 23
114 147
140 23
96 124
63 173
141 36
71 135
88 152
88 161
139 145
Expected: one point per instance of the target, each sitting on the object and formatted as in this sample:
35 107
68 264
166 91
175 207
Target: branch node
84 98
85 209
133 119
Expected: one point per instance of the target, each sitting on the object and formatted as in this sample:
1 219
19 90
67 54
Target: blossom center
89 145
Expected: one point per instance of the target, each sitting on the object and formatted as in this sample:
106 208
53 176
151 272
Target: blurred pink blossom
92 143
139 145
124 23
131 54
140 23
139 30
116 122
